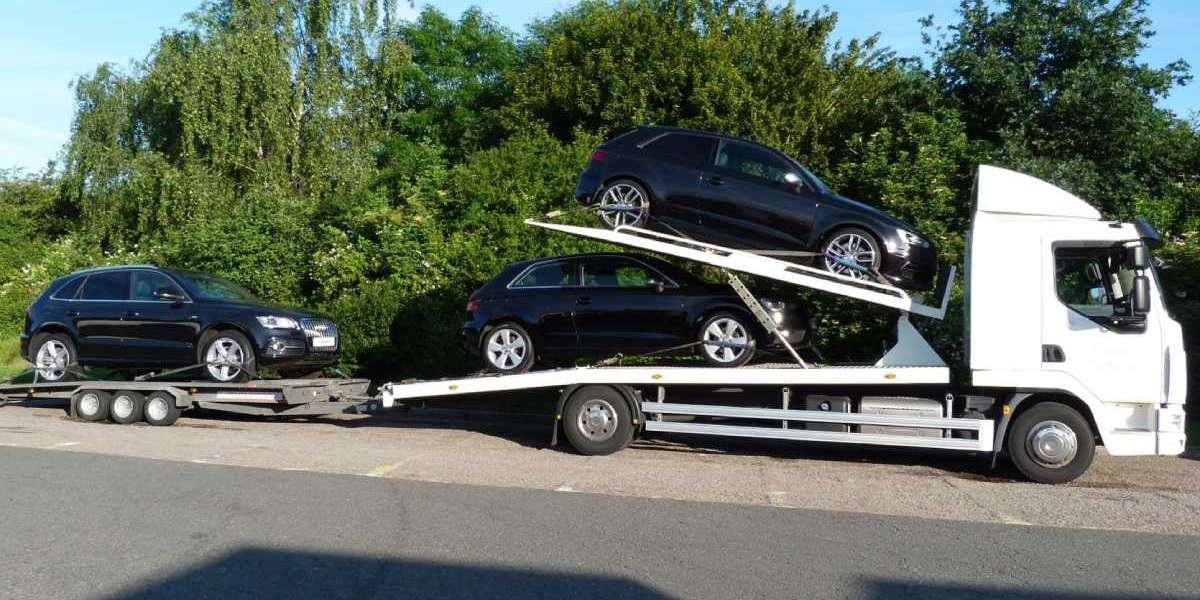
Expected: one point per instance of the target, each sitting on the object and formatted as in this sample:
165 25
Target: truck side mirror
1137 257
1141 295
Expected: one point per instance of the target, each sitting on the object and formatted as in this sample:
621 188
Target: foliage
323 153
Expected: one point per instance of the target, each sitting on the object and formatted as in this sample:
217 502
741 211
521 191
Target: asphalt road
81 525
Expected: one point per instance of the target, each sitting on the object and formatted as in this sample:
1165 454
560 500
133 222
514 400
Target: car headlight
912 239
274 322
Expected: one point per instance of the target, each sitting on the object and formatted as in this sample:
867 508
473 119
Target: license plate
324 341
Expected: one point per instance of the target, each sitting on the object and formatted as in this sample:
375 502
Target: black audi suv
596 305
739 194
144 317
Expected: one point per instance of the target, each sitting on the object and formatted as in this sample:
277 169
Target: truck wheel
161 410
126 407
91 405
596 420
1051 443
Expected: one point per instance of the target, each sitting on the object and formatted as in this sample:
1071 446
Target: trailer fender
630 395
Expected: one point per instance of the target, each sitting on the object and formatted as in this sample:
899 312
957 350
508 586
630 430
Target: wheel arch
56 327
638 179
1018 402
630 395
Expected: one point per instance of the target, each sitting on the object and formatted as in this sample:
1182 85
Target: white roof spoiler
1001 191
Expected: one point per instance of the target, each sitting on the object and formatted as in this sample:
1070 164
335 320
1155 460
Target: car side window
109 285
555 274
683 148
145 283
68 291
752 161
617 273
1093 281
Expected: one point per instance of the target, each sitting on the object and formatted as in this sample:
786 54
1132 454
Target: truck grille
318 327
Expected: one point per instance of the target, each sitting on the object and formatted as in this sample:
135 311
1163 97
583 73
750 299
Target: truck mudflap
1171 437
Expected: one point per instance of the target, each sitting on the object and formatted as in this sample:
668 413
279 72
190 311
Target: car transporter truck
1068 339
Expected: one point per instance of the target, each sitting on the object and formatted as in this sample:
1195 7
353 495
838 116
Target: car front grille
318 328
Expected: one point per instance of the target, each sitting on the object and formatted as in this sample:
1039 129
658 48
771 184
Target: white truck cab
1064 305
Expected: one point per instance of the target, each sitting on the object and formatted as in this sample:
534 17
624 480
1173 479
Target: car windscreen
208 287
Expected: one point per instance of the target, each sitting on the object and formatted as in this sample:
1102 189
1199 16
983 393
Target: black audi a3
739 194
596 305
144 317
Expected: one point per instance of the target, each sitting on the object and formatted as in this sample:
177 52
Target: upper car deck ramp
764 266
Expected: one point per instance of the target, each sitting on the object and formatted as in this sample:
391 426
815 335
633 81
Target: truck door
1089 329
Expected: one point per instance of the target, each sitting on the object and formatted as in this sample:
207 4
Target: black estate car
141 317
596 305
736 193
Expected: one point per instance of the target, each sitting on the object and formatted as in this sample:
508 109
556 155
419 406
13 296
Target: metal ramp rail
764 266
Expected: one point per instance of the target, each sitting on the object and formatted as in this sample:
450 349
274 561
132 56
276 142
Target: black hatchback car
144 317
567 307
736 193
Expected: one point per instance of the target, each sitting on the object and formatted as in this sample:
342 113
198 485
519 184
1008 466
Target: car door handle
584 301
133 314
72 313
715 180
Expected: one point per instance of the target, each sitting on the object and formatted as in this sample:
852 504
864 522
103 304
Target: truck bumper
1171 437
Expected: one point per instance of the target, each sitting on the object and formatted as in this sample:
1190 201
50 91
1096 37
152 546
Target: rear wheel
624 202
53 356
596 420
126 407
726 341
1051 443
91 405
160 409
507 348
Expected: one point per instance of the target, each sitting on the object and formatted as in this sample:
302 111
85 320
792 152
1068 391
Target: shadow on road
297 575
889 589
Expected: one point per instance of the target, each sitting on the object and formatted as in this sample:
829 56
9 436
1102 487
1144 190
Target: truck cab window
1094 282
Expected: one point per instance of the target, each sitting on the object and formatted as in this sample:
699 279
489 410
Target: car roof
672 270
112 268
675 129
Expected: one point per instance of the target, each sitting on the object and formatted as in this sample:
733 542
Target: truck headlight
912 239
274 322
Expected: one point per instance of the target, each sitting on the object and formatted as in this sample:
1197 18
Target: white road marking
63 444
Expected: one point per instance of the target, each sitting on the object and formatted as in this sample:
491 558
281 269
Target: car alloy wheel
623 203
225 358
506 349
52 360
853 254
725 340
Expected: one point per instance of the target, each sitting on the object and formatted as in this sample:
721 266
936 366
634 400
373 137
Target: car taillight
472 305
599 155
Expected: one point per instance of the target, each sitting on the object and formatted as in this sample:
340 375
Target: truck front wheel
596 420
1051 443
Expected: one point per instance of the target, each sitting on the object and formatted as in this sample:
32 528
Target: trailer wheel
91 405
596 420
1051 443
161 410
126 407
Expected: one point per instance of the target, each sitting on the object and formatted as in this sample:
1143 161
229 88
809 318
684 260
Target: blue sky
45 44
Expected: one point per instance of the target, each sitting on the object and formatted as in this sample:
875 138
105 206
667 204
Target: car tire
1051 443
91 405
227 356
726 328
160 409
57 351
623 202
597 421
126 407
507 348
852 245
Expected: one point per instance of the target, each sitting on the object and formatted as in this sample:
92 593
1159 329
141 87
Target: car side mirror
656 285
168 295
793 182
1137 257
1141 296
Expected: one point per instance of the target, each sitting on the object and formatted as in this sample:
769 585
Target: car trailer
161 402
